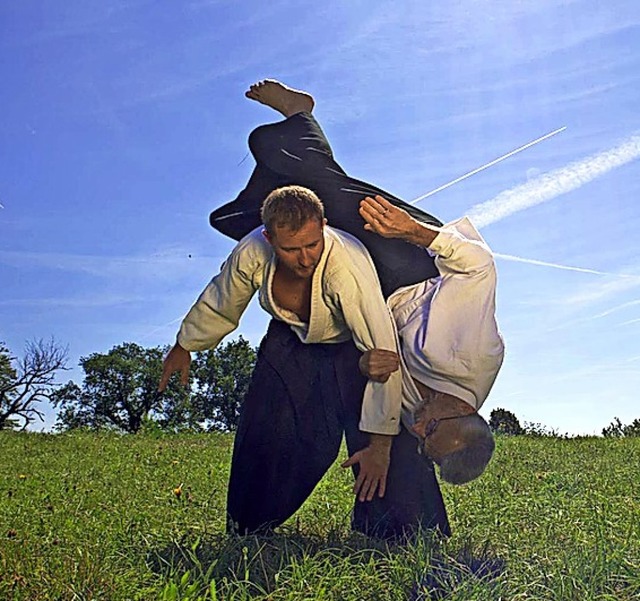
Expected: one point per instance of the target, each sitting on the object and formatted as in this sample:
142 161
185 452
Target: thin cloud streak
567 324
553 184
161 328
629 322
73 303
161 265
565 267
602 291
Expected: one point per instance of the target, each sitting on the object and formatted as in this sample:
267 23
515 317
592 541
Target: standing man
322 290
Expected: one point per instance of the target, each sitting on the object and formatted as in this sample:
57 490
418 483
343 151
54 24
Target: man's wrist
421 234
381 442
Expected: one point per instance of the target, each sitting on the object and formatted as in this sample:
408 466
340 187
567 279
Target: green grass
94 516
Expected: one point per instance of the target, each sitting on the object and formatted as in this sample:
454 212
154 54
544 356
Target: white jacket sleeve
217 311
460 249
357 294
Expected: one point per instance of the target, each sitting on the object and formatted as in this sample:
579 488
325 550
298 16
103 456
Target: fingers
384 204
362 485
184 375
368 487
379 215
178 359
383 486
381 364
164 380
351 461
371 211
365 487
368 480
360 480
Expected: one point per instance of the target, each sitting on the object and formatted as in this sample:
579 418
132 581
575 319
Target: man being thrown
450 345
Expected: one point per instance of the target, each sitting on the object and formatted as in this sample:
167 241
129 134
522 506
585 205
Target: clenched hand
378 364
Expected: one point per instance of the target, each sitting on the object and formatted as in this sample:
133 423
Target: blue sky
123 125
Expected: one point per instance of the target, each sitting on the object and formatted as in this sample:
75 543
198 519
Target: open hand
178 359
374 466
385 219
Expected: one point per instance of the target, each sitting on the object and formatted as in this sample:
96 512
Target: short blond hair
291 207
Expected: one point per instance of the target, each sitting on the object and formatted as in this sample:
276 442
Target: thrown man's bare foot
283 99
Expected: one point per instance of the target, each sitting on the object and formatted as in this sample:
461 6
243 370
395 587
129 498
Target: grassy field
87 516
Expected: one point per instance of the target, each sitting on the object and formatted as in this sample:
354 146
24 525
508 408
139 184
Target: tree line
119 391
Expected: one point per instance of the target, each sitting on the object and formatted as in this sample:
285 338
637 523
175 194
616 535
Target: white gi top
447 327
346 302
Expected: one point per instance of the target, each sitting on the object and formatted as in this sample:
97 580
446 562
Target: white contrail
566 267
552 184
491 164
159 328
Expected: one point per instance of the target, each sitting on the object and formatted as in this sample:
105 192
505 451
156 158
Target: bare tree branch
30 382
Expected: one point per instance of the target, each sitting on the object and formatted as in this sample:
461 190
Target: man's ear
268 236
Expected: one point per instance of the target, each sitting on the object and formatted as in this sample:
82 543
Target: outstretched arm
218 309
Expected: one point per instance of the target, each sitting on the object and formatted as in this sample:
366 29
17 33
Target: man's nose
306 258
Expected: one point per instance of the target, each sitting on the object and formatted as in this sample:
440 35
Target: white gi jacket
449 336
346 302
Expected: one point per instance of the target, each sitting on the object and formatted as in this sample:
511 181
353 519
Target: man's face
444 440
436 424
298 251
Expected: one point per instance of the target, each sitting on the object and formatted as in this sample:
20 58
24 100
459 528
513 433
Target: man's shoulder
347 255
253 248
254 241
344 243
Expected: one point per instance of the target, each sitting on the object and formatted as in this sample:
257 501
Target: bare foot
281 98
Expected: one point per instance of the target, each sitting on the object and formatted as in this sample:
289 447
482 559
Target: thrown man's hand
386 219
378 364
374 466
178 359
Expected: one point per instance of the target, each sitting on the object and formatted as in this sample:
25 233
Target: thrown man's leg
296 151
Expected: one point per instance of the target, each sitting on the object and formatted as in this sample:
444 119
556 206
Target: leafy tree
120 391
30 382
503 421
616 429
222 377
538 430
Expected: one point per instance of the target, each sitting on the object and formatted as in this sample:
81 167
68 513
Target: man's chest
292 295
